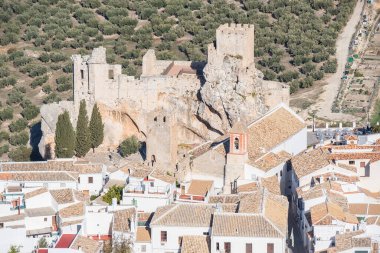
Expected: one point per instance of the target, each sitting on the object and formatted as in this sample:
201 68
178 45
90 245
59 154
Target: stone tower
161 142
93 78
236 157
236 40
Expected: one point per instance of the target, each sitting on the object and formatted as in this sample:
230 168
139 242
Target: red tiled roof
65 241
43 251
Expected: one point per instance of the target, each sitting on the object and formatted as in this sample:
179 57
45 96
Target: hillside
294 43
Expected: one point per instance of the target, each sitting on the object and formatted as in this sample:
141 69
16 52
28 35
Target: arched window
236 143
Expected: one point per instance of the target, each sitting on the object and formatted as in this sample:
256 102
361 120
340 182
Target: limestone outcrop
173 103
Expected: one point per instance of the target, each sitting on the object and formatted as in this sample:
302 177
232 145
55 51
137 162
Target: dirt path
326 99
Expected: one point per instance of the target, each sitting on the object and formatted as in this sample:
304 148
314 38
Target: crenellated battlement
236 40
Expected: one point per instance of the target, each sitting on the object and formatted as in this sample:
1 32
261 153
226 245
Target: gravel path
326 99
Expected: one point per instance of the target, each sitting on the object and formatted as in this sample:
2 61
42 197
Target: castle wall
236 40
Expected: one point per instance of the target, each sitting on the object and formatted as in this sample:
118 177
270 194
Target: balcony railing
142 189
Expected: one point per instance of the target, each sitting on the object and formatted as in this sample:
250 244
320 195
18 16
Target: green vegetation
96 128
83 141
129 146
64 137
20 154
42 243
14 249
113 192
294 40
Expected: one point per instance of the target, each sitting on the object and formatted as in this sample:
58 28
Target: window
143 248
1 225
351 162
151 184
248 248
236 143
217 246
45 219
82 73
164 236
164 119
270 248
79 180
362 164
90 180
205 233
227 247
110 74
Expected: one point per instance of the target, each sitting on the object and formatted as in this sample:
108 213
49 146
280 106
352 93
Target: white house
54 174
148 190
170 223
195 191
329 219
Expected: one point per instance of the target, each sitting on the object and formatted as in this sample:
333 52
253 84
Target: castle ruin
174 103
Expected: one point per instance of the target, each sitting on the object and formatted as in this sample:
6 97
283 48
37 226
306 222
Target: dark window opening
110 74
164 119
82 73
155 119
248 248
351 162
227 247
270 248
164 236
90 180
217 246
236 143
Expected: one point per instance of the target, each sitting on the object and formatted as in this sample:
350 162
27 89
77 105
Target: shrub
18 125
8 81
129 146
6 113
52 98
39 81
4 149
44 57
20 154
4 136
113 192
19 139
15 97
30 112
330 66
4 72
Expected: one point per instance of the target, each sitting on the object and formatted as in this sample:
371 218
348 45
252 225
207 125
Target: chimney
114 203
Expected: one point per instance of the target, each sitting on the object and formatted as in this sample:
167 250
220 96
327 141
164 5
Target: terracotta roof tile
38 176
195 244
34 193
272 129
163 176
63 196
243 225
325 213
122 219
351 240
143 234
76 209
271 160
271 184
200 187
186 215
308 162
53 165
87 245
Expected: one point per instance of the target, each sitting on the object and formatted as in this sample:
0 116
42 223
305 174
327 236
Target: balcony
144 189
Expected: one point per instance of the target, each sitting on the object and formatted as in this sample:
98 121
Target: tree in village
129 146
14 249
96 128
113 192
83 144
64 137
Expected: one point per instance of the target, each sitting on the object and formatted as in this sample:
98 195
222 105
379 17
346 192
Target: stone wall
203 101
